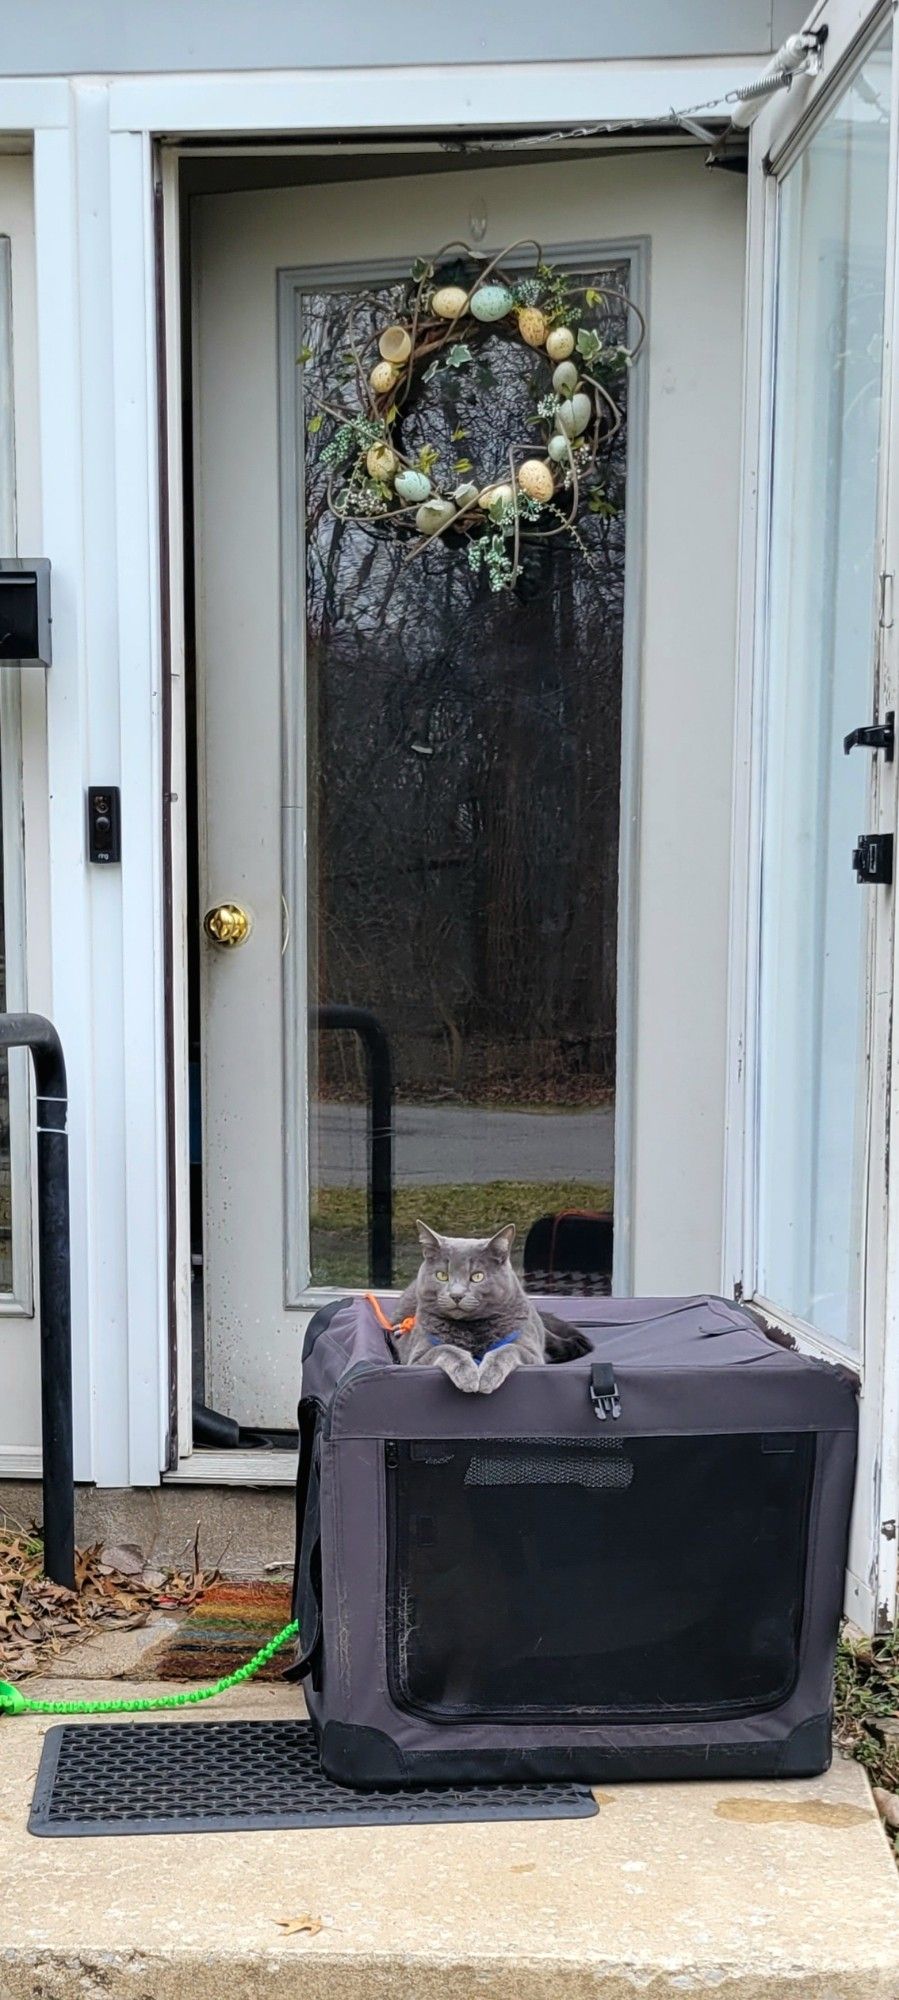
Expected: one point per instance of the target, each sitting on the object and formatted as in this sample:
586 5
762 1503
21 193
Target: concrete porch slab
747 1892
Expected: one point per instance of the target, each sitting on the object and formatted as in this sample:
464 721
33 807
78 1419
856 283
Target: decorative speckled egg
383 377
412 486
559 449
395 345
536 480
466 495
434 515
574 415
449 301
494 496
491 302
565 378
560 343
532 326
381 463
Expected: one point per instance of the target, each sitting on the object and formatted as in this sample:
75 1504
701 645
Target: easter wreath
539 488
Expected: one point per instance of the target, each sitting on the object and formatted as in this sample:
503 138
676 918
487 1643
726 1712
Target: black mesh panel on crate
587 1580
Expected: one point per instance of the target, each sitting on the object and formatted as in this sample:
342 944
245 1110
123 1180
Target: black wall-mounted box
24 611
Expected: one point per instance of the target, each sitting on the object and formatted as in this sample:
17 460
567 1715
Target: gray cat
472 1317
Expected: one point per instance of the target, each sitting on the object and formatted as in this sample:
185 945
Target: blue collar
508 1340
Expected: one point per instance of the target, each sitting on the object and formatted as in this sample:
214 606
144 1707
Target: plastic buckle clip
604 1391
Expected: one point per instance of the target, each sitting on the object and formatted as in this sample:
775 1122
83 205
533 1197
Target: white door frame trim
421 98
97 359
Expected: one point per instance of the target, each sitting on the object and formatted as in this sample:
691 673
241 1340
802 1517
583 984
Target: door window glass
12 1104
463 771
821 634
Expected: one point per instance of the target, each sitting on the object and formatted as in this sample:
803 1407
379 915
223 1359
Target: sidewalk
744 1892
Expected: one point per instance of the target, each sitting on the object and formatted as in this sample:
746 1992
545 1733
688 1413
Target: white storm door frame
778 134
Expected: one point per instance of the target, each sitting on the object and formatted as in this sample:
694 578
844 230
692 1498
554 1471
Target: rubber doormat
230 1777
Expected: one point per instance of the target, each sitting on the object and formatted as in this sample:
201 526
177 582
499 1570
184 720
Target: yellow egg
383 377
494 496
395 345
560 343
532 326
536 480
381 462
449 302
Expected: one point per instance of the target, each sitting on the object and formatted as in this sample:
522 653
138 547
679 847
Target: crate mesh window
656 1576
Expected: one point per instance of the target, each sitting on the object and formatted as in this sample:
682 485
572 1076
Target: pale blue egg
491 302
412 486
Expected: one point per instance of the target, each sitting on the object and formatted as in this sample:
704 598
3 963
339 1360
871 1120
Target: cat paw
462 1371
493 1372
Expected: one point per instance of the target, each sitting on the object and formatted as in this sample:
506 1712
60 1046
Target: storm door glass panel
11 861
814 917
6 1191
463 769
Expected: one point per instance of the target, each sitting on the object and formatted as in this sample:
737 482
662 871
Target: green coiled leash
14 1702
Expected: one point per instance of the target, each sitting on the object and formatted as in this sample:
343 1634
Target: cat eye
477 1277
441 1276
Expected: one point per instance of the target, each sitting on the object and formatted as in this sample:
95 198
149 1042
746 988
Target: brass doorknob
227 924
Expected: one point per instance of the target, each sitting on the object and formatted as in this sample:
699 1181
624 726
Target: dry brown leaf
291 1925
126 1557
39 1618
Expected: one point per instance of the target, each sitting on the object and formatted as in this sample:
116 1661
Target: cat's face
465 1277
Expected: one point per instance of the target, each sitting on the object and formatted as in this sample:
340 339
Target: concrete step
741 1891
245 1531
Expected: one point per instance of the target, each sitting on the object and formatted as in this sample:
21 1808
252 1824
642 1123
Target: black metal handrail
359 1021
35 1033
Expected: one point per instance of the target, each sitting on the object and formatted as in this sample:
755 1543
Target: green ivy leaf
305 354
593 297
421 269
459 356
315 423
597 503
588 343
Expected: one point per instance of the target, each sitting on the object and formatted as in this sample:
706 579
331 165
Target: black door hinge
872 859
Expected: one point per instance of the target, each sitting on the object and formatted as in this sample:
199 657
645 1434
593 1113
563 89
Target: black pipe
360 1022
32 1031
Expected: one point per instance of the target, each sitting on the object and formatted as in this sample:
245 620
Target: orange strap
405 1325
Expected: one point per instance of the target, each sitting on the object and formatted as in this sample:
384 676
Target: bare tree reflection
464 758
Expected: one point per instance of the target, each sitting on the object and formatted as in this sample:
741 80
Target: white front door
410 787
819 807
427 798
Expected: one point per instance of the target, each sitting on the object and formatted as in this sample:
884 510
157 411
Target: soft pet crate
625 1566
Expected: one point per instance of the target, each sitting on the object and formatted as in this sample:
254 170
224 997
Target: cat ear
429 1240
500 1245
